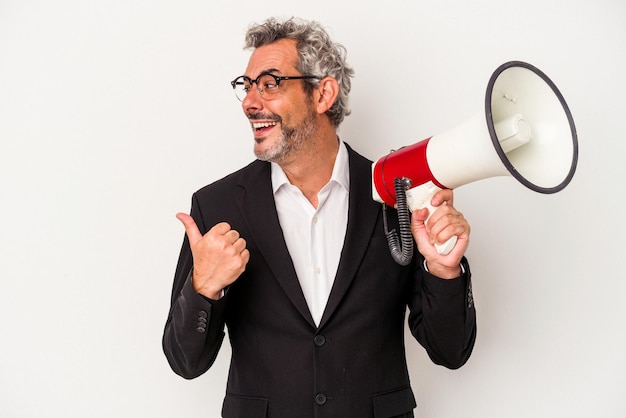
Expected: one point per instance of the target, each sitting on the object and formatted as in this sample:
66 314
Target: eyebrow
267 71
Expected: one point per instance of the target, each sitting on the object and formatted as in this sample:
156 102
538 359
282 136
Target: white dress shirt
314 237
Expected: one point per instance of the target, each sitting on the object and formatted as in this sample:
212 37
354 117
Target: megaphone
526 131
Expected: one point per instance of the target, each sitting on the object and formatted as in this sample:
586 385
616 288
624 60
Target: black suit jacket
283 365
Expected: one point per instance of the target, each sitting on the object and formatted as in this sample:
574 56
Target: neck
312 168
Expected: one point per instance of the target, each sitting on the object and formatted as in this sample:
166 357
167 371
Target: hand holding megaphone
420 197
526 131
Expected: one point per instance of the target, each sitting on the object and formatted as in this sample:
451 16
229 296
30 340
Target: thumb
418 219
419 229
193 233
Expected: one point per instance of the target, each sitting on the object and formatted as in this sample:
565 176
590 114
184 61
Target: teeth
259 125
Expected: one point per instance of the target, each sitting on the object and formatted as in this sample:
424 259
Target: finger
442 196
419 217
193 233
245 256
231 236
442 233
240 245
419 229
221 228
455 225
444 218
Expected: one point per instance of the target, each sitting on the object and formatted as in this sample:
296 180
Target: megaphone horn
526 131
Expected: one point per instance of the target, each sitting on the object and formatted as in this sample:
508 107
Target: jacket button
203 314
319 340
201 327
320 399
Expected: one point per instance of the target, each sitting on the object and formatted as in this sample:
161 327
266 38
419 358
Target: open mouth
260 127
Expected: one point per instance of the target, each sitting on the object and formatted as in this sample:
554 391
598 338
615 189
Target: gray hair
318 55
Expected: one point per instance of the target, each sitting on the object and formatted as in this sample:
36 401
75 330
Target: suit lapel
363 214
258 209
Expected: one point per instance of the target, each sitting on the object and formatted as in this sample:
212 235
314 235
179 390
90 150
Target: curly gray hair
318 54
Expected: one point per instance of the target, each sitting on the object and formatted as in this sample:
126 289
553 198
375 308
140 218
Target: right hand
444 223
219 256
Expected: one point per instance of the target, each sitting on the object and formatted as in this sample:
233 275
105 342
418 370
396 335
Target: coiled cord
401 248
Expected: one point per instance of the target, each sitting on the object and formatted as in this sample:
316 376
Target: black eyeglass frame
278 79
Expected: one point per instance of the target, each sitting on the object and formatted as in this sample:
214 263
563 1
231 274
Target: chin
270 152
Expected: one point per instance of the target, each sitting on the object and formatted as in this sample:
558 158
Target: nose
253 100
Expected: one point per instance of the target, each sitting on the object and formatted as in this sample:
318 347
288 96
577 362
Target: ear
326 94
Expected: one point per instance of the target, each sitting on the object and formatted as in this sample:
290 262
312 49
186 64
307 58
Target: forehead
280 57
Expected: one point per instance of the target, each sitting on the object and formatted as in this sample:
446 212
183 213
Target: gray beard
293 139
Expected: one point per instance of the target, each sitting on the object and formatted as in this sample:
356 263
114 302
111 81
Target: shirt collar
340 175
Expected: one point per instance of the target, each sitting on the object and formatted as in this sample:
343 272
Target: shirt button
317 270
320 399
319 340
314 220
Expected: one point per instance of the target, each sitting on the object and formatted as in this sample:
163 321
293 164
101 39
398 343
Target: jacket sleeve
442 316
194 329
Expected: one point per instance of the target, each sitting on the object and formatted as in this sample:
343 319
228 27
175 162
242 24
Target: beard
292 140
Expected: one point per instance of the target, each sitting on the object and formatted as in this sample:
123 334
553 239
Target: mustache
261 116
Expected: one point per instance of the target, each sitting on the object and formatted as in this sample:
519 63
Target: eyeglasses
266 84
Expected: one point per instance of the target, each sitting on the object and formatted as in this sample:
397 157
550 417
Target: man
290 254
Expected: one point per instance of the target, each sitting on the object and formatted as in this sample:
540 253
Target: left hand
443 223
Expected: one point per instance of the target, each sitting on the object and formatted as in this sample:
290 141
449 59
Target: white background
113 113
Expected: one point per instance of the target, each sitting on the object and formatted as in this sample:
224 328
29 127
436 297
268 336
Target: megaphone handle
419 197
